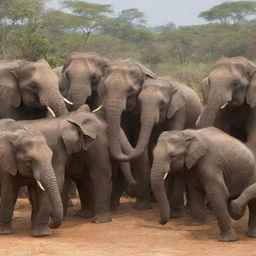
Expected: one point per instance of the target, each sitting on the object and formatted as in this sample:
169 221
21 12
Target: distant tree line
29 30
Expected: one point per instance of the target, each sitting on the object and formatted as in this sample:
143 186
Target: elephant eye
94 77
34 86
130 90
28 160
172 155
235 83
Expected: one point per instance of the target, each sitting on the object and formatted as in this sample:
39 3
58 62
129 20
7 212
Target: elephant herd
115 127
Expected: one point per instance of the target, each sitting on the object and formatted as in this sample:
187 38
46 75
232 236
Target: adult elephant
120 88
215 165
229 94
26 158
29 90
166 105
80 76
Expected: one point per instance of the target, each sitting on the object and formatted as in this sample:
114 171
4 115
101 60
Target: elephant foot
141 205
5 229
251 232
198 221
102 218
228 236
41 231
85 213
176 212
236 211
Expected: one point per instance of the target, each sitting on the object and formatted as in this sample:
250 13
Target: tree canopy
184 52
230 12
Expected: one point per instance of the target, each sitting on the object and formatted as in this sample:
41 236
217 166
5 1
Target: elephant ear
146 71
196 148
205 89
9 90
70 136
177 102
8 159
251 91
89 125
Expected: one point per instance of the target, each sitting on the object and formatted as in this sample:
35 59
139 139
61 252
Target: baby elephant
217 167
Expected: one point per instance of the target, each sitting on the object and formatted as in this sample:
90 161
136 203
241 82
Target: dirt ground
131 232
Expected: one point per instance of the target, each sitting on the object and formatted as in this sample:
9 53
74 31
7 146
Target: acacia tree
87 17
230 12
133 17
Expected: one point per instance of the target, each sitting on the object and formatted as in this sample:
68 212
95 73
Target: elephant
165 105
229 94
79 78
29 90
80 137
26 160
119 88
217 167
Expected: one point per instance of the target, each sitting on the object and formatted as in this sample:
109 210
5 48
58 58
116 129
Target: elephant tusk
98 108
40 185
165 175
224 105
51 111
68 102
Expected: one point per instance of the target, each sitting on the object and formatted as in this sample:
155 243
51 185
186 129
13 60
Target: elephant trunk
209 113
126 170
48 180
158 188
114 108
54 102
79 92
147 120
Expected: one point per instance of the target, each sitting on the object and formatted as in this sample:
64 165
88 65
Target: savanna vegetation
29 30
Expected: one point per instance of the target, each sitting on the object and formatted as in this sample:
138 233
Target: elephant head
32 85
159 100
28 155
121 86
82 73
232 82
80 129
175 151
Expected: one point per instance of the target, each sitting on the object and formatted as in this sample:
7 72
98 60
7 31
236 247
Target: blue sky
160 12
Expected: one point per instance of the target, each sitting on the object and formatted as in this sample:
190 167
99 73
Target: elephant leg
141 170
64 195
34 199
102 187
84 188
9 194
118 187
41 227
177 197
218 199
252 219
197 204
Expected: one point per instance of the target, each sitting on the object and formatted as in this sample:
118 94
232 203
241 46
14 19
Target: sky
161 12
